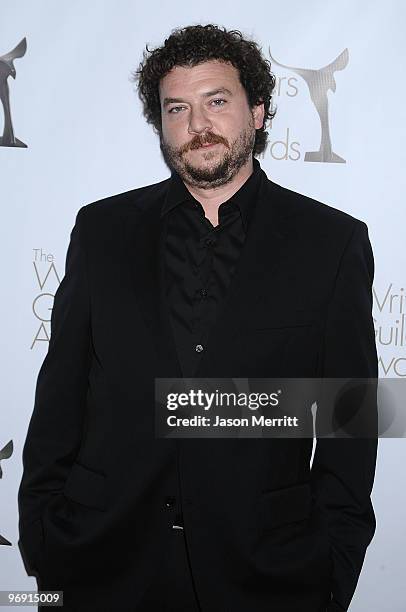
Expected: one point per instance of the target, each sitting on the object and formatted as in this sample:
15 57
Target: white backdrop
74 106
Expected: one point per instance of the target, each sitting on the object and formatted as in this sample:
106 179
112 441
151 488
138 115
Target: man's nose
199 122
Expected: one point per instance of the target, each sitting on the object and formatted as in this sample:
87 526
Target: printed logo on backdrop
7 69
5 453
390 329
318 82
47 280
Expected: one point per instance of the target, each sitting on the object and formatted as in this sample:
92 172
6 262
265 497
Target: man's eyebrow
207 94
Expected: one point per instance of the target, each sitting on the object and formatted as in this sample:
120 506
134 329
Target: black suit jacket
99 492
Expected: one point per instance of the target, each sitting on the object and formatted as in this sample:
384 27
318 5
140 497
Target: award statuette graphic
7 69
319 82
5 453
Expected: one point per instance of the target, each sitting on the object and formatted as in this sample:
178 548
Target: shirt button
203 292
198 348
209 241
170 501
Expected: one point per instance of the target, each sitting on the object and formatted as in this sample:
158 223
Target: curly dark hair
195 44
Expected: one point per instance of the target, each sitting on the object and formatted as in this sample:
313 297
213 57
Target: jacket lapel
266 242
144 246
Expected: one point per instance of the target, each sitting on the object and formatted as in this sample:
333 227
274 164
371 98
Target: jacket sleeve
343 469
56 424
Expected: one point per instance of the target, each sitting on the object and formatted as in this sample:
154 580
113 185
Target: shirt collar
244 198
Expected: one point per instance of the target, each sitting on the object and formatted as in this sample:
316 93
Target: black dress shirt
200 259
199 262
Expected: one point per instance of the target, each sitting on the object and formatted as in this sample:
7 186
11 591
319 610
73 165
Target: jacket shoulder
314 214
118 205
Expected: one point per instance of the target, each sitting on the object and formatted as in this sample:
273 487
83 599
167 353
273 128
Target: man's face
207 104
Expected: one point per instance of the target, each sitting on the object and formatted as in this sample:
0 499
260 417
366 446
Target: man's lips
209 144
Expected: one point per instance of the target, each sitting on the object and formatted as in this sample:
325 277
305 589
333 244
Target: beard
215 168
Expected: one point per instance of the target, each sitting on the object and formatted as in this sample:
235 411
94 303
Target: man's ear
258 113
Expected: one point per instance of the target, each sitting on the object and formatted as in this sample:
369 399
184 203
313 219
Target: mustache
198 141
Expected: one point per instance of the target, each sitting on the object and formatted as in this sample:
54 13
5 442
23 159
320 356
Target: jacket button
170 501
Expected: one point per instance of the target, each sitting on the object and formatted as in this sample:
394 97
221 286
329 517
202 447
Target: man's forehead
216 72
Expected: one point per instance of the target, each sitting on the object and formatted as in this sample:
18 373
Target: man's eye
219 100
174 108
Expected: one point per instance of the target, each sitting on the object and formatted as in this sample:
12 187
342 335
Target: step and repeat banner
72 131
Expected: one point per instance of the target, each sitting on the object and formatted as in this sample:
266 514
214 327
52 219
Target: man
214 272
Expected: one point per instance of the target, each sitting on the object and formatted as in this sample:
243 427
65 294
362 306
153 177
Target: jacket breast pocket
86 487
269 317
281 346
284 506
